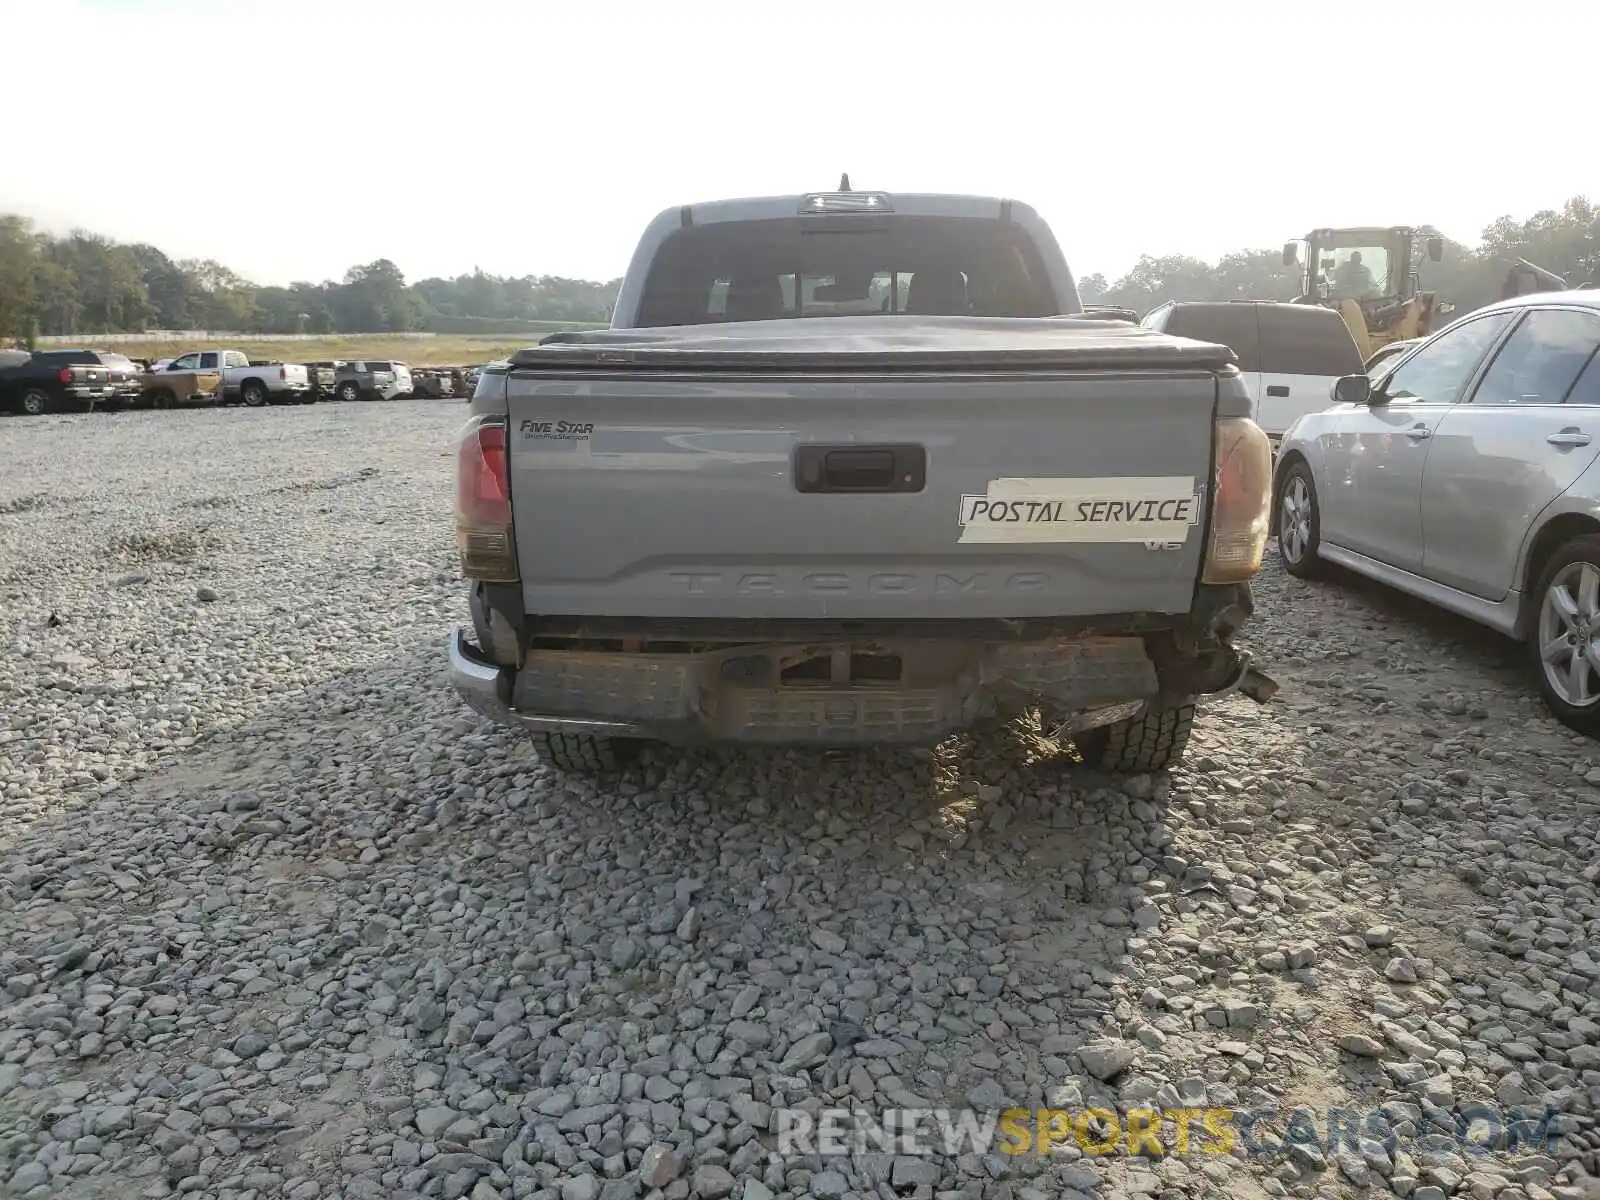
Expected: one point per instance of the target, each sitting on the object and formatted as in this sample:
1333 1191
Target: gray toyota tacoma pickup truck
852 469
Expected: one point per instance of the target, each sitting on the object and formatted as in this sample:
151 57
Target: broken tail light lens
484 535
1241 482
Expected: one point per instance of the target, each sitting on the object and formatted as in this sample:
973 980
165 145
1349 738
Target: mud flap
1250 681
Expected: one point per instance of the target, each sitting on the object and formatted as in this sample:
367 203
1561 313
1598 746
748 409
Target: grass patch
434 350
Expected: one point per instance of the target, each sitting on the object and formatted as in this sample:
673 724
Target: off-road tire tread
584 753
1140 745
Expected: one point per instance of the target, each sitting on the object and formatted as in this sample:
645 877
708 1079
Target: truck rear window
821 267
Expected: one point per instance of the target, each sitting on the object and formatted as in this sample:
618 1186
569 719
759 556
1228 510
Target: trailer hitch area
1250 681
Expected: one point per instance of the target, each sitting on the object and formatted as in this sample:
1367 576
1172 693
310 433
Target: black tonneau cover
876 343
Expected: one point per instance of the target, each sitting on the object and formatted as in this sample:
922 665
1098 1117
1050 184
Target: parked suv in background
402 377
1291 355
369 379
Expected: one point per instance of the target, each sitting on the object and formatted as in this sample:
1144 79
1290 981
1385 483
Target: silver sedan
1466 475
1387 355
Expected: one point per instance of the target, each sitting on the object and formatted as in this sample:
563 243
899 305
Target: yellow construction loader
1369 275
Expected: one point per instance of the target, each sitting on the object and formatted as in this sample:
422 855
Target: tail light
64 374
1241 482
483 503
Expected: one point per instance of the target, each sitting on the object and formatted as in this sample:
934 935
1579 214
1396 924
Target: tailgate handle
860 469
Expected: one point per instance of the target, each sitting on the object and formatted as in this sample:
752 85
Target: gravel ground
279 917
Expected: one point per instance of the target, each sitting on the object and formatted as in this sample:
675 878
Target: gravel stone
279 916
1361 1045
1108 1059
712 1182
1400 970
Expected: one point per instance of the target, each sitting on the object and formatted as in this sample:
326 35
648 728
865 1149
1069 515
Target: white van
1290 354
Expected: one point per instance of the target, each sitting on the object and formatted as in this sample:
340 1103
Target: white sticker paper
1118 509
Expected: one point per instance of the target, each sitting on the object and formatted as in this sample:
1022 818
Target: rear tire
253 395
1140 745
1571 571
163 398
349 392
35 402
584 753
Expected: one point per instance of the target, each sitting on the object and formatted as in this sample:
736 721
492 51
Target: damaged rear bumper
486 689
836 692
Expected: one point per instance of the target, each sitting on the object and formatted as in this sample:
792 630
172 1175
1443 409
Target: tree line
84 283
1564 240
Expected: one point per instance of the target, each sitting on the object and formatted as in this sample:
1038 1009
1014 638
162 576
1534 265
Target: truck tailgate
809 496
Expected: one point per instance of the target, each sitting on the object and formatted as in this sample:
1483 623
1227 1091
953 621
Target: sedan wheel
1565 639
1569 623
1299 523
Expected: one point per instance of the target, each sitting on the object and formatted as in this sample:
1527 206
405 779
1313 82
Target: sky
291 139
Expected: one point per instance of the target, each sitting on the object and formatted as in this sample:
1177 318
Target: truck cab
208 360
842 254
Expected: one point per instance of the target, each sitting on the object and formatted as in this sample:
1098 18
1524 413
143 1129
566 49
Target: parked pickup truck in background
179 389
122 376
323 378
254 386
951 500
433 383
55 381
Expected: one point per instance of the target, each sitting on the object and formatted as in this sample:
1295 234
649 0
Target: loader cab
1369 274
1364 263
